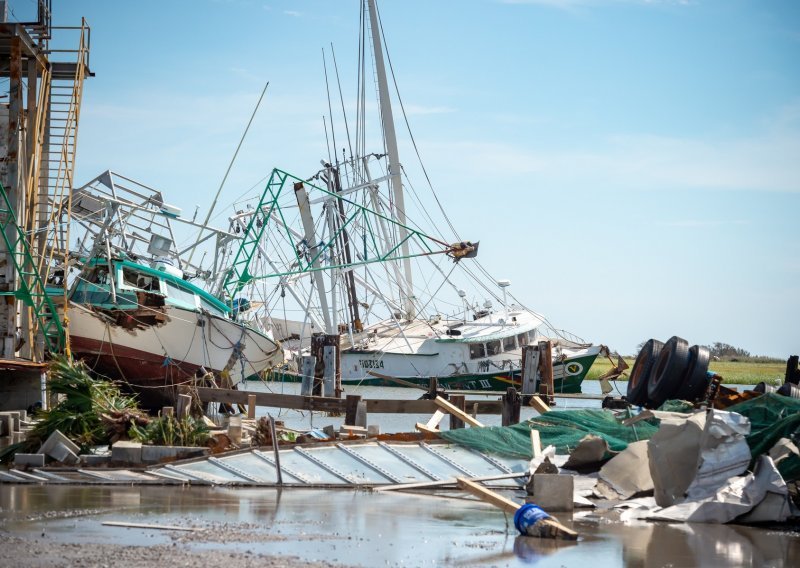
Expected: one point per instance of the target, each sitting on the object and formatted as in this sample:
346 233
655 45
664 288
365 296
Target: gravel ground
44 553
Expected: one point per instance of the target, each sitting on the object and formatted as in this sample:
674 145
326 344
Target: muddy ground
63 525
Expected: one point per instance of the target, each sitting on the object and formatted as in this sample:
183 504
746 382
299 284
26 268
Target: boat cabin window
94 288
523 339
509 343
178 296
477 351
493 348
133 279
210 308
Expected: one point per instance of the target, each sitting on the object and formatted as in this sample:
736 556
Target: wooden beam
488 495
539 405
447 407
536 443
445 482
424 428
322 404
148 526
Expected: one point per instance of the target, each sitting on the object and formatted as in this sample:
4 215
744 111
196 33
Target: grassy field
740 373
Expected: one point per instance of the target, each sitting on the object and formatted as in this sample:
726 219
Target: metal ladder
32 290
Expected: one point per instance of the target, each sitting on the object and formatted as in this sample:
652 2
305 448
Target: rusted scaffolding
38 143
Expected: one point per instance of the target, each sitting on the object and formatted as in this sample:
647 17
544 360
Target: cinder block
129 452
157 454
33 460
554 492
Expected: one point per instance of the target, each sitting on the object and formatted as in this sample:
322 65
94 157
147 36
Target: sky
632 166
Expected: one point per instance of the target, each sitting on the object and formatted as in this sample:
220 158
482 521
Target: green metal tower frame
32 292
239 274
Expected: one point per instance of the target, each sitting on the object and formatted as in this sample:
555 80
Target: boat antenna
341 99
228 171
330 109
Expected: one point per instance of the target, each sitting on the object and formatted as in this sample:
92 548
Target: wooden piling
511 407
307 365
183 406
546 371
530 371
251 407
460 402
351 409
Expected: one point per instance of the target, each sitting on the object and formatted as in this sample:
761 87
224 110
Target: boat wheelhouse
154 330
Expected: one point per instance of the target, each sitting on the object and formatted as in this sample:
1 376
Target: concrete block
54 440
60 452
554 492
14 417
6 424
373 430
33 460
158 454
18 437
128 452
93 460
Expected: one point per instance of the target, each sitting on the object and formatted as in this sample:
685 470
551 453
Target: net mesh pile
560 428
772 417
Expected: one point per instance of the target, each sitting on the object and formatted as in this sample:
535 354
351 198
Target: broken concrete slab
125 451
626 474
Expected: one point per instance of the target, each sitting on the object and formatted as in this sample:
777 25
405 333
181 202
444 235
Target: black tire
640 373
695 382
667 376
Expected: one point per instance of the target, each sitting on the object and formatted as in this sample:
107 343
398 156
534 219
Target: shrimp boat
132 313
337 248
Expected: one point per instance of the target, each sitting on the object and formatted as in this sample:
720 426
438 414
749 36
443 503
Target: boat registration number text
370 364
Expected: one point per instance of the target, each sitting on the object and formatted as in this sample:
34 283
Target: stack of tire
666 371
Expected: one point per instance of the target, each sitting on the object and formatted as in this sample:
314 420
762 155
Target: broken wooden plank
488 495
448 481
148 526
424 428
447 407
546 528
539 405
536 443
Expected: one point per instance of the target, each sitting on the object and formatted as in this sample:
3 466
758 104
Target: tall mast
387 119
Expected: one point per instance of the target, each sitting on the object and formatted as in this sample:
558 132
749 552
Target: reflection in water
368 529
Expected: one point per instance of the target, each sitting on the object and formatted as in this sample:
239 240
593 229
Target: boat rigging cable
228 171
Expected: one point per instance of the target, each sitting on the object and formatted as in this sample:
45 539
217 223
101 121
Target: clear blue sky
632 166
